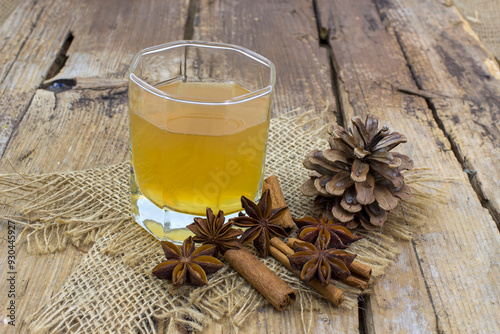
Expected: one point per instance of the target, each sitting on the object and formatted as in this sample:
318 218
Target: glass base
163 224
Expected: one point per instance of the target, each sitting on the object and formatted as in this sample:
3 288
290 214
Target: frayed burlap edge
58 209
78 207
113 289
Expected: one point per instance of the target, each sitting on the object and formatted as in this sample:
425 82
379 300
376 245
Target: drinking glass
199 119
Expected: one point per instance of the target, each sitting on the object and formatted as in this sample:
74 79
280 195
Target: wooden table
415 63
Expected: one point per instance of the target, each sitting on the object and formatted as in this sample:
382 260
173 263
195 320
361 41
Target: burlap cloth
113 291
484 18
6 7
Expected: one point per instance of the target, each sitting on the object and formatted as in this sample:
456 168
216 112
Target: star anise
326 232
187 263
260 223
213 231
321 262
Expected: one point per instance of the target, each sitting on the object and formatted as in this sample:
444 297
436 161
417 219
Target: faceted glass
199 119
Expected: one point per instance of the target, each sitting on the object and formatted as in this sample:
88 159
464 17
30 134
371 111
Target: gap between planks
192 14
363 300
364 307
16 125
427 109
431 107
21 47
427 96
479 167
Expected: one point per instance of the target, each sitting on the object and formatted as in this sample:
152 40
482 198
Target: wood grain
284 32
447 58
102 45
38 278
460 239
26 54
80 128
445 281
72 129
268 320
404 293
108 34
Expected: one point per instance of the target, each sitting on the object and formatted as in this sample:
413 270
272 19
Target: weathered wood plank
7 8
100 45
411 300
269 320
117 31
81 128
386 310
38 278
72 129
285 32
69 130
447 58
460 239
328 320
26 54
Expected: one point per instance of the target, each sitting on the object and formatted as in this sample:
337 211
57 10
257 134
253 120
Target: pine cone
358 179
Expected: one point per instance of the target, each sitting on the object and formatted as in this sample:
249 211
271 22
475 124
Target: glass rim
204 44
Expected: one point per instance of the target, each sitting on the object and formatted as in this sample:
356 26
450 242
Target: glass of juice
199 118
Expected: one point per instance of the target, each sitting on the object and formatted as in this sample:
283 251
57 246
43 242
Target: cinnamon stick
278 200
355 282
273 288
355 268
361 269
281 246
330 292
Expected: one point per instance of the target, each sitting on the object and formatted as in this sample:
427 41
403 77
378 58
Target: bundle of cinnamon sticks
273 288
359 279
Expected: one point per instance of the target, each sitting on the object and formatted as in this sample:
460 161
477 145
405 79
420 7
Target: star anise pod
213 231
260 223
187 263
325 263
326 232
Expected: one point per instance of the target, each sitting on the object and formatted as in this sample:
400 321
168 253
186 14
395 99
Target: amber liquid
187 157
